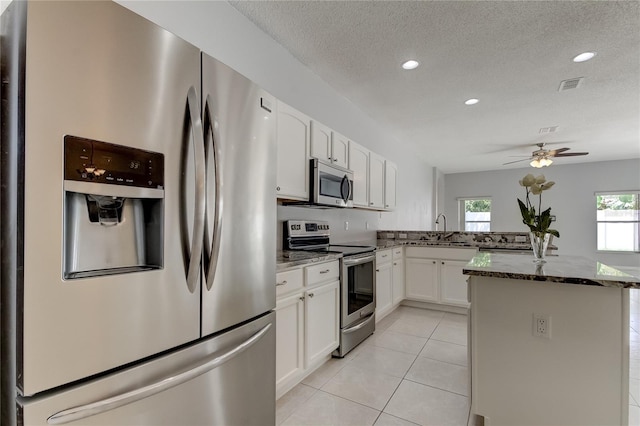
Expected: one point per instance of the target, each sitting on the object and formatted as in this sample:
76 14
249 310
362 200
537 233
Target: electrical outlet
366 225
542 326
346 226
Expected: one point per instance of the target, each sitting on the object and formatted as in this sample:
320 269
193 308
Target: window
475 214
618 218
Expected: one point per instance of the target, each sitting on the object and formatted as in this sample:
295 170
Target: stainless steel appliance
137 275
331 185
357 278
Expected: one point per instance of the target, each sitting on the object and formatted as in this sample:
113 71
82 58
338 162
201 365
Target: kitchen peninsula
549 343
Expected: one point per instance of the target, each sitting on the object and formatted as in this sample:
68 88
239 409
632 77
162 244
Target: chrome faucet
445 221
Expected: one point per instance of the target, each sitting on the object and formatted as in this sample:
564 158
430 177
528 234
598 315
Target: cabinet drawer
383 256
397 253
288 281
323 272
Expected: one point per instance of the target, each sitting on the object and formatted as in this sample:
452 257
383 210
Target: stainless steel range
357 278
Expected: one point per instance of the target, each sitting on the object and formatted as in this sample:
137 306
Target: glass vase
539 243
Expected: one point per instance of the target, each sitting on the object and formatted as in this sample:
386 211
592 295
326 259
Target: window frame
462 222
635 192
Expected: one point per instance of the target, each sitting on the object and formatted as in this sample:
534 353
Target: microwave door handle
195 254
345 189
217 219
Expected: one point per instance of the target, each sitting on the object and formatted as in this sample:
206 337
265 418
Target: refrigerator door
99 71
239 128
225 380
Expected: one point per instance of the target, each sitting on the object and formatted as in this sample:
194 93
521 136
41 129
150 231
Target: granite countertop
482 245
290 258
559 269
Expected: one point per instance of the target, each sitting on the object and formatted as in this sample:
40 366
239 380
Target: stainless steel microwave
331 185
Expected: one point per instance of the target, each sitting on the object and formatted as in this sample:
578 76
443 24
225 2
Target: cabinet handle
386 205
301 298
325 271
370 204
394 263
434 262
282 283
311 295
277 188
443 263
335 159
377 270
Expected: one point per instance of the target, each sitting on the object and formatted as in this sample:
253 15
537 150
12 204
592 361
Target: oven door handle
359 326
358 260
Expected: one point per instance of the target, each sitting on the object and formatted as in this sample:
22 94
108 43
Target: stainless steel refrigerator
137 217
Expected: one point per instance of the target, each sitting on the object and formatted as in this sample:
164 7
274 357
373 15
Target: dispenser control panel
87 160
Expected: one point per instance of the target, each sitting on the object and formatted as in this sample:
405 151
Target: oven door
358 288
332 186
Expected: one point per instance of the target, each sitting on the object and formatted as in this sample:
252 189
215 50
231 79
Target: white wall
222 32
572 200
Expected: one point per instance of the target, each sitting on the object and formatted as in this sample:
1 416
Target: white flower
547 185
536 189
540 179
528 180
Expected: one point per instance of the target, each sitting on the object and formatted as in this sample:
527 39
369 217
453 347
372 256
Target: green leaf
553 232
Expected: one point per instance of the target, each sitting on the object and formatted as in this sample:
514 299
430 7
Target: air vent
572 83
552 129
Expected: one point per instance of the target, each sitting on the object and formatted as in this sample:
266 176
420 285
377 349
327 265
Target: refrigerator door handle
214 249
114 402
193 272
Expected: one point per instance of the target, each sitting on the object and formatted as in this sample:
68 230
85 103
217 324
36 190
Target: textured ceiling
512 55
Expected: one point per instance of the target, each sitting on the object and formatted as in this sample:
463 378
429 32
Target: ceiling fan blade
555 152
517 161
571 154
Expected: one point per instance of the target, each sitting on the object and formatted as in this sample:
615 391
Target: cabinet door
359 164
421 279
398 281
390 176
376 181
293 134
321 142
453 282
322 311
384 289
340 151
289 338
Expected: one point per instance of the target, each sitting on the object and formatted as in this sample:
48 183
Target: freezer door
226 380
239 128
99 71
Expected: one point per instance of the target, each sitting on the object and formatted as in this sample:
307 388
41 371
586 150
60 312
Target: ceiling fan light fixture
546 162
411 64
584 57
535 163
471 101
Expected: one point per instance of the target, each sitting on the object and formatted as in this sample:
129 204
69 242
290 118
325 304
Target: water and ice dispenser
113 209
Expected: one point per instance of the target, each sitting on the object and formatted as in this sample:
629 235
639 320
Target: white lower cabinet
389 280
422 279
289 338
435 275
322 320
307 321
398 281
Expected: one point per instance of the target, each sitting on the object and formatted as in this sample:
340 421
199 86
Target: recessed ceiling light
584 56
472 101
410 64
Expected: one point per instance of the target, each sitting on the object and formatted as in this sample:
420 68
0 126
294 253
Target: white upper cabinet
376 181
340 150
293 136
329 146
359 165
321 142
390 177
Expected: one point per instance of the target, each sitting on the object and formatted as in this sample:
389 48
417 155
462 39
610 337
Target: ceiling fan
543 157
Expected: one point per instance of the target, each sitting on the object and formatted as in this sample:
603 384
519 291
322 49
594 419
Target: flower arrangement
537 223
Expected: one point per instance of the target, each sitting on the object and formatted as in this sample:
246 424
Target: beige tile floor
413 370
